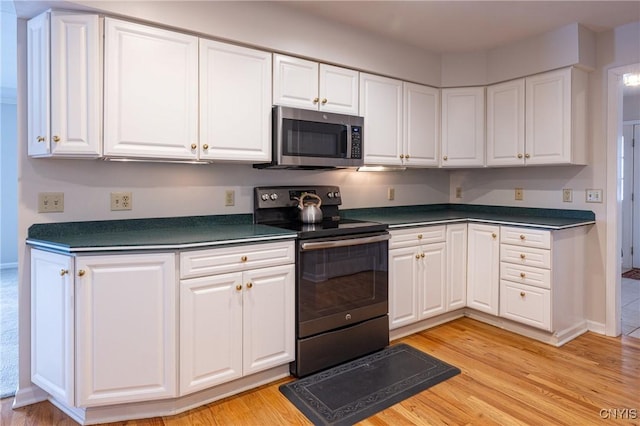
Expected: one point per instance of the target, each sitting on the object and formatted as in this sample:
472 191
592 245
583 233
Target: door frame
613 269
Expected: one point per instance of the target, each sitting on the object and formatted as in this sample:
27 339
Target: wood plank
505 379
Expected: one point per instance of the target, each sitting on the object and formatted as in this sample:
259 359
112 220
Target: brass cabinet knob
494 235
64 272
519 155
406 156
522 237
316 100
239 287
522 275
401 156
527 156
445 158
418 256
194 146
40 138
324 101
81 273
522 256
249 285
419 236
522 294
244 258
422 255
205 146
56 138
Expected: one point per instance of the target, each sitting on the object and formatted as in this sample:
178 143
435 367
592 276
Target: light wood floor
506 379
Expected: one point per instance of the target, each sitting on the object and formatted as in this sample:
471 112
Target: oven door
341 282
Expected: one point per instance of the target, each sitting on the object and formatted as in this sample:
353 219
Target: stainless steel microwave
305 139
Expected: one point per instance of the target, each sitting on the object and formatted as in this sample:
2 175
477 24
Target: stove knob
336 195
265 197
330 194
274 196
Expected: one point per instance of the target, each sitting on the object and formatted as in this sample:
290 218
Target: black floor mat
350 392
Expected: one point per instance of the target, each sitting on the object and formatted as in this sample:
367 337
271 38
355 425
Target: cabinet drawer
415 236
526 304
522 274
238 258
535 257
525 237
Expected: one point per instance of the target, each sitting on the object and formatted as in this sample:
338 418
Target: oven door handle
344 243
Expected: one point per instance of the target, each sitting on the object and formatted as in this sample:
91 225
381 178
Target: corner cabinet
150 92
121 346
421 126
483 267
64 85
463 127
235 103
381 107
300 83
236 313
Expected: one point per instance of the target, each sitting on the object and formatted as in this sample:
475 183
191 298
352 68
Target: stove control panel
286 196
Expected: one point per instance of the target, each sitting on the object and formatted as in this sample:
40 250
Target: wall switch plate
567 195
230 198
519 194
458 192
121 201
50 202
391 194
593 195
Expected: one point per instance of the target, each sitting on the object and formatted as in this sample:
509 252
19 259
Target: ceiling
469 26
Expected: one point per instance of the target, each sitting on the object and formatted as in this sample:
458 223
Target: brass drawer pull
522 275
81 273
244 258
522 237
522 294
522 256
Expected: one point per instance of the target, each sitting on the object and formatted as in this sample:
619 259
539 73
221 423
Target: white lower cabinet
121 346
236 323
483 267
456 266
417 275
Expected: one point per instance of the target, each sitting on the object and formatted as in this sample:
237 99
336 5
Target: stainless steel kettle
310 210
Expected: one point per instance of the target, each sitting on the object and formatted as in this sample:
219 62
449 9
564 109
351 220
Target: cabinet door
403 290
295 82
52 327
421 125
38 86
210 331
433 279
235 103
548 117
151 92
505 124
125 328
381 107
463 124
268 318
456 266
483 267
338 90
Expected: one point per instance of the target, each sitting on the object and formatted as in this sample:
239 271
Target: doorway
629 187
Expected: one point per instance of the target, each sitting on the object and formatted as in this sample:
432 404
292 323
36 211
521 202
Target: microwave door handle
344 243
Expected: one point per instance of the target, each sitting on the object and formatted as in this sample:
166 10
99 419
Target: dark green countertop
432 214
150 234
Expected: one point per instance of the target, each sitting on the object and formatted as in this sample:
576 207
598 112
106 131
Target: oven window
337 280
312 139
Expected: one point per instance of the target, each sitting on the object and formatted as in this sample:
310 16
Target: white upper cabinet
463 127
421 130
306 84
235 103
381 107
64 85
556 104
151 92
505 124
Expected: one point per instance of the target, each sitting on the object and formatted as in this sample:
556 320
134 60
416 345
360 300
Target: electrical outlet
458 192
121 201
50 202
567 195
230 197
593 195
519 194
391 194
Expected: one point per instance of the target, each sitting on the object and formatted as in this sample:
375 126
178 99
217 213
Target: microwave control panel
356 142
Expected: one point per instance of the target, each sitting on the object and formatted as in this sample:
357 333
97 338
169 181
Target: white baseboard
28 396
597 327
12 265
